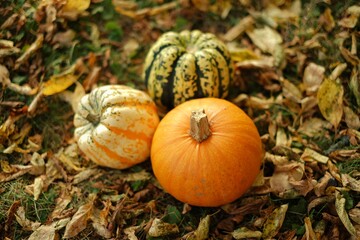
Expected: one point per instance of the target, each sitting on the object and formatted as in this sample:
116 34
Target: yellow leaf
58 83
330 101
76 5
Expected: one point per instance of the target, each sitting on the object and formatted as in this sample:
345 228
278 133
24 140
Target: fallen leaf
76 5
327 20
25 223
313 77
58 83
344 217
351 118
314 127
311 155
267 39
202 231
159 228
245 233
353 13
309 231
350 182
243 25
354 85
5 80
291 91
330 101
130 232
80 219
274 222
48 232
36 45
354 214
38 186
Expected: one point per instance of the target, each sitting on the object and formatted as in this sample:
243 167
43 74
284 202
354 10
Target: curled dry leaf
160 228
243 25
350 182
274 222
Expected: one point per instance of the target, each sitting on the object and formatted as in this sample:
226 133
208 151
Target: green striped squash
187 65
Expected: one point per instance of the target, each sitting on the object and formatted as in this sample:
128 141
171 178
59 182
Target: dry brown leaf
322 184
314 127
354 84
5 80
350 182
73 97
243 25
330 101
130 232
353 13
354 214
311 155
327 20
80 219
30 51
351 118
344 217
245 233
25 223
267 39
274 222
309 232
49 232
38 186
312 78
160 228
291 91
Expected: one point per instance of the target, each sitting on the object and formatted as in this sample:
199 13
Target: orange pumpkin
206 152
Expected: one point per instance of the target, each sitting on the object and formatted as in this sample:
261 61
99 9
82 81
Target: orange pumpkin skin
215 171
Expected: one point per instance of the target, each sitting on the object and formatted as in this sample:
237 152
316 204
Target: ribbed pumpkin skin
187 65
121 135
216 171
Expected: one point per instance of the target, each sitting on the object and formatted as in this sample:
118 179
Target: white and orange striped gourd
114 126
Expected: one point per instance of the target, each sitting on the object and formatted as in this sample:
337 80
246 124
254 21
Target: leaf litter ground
296 75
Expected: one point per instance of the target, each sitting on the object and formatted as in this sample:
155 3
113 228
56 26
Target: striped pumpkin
114 126
187 65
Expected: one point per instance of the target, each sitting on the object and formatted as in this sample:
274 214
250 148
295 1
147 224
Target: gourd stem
94 119
199 125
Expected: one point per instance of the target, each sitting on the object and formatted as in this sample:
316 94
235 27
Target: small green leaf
173 215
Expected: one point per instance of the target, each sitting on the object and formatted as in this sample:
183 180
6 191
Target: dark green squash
187 65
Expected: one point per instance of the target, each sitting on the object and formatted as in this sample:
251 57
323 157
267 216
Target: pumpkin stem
94 119
199 125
